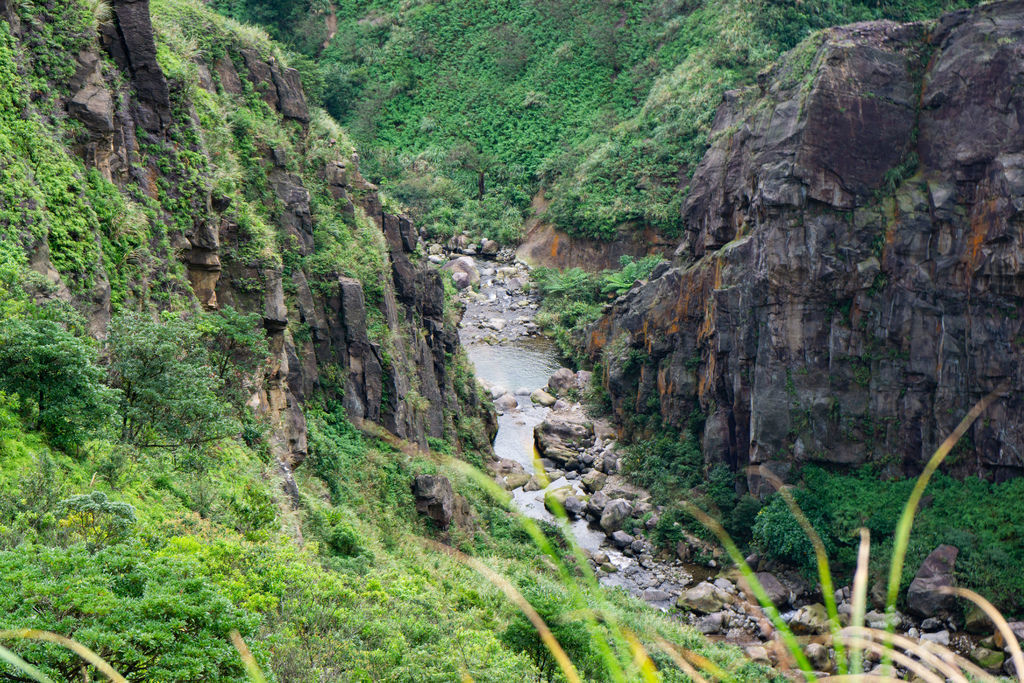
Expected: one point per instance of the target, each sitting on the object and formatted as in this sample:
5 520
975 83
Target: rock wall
124 102
851 279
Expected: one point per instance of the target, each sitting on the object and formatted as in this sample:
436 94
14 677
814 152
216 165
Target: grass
624 655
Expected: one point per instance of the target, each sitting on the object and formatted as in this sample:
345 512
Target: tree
54 374
170 391
237 347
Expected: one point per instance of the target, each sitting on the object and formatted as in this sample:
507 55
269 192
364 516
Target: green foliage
573 298
984 520
667 464
463 108
54 373
170 392
237 348
150 617
95 520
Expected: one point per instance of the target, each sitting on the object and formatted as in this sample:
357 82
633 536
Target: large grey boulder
465 265
614 514
562 381
705 598
924 597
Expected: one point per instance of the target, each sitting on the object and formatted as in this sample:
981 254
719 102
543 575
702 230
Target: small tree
170 392
95 519
237 345
54 374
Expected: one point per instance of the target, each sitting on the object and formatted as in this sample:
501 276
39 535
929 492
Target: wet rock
621 539
496 324
615 513
543 398
656 595
924 598
574 507
434 498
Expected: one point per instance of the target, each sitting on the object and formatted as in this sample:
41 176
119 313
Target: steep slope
465 109
849 283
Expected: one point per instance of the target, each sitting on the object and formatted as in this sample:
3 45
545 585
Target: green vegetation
573 299
961 513
464 109
141 506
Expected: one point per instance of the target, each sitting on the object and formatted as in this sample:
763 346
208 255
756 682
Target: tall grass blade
1000 622
541 540
23 666
641 659
506 587
788 638
251 667
860 594
821 558
73 645
903 660
938 658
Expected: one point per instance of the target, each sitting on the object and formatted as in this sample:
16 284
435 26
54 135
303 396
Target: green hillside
606 105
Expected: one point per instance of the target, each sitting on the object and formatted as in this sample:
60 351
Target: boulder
434 498
461 280
777 593
924 596
465 265
555 499
705 598
810 620
817 655
562 381
541 397
574 507
614 514
514 480
990 660
489 248
506 402
597 503
593 481
560 440
622 540
711 623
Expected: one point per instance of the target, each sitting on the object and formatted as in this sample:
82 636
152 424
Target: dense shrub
55 375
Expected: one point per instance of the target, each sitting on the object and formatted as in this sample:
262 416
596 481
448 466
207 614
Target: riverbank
549 449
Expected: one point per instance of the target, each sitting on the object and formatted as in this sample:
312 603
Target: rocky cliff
851 279
193 174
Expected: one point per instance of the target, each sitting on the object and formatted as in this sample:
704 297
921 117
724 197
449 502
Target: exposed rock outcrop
851 281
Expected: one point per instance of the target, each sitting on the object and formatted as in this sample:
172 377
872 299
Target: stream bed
509 354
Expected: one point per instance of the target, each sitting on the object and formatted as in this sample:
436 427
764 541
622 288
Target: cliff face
851 279
226 191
